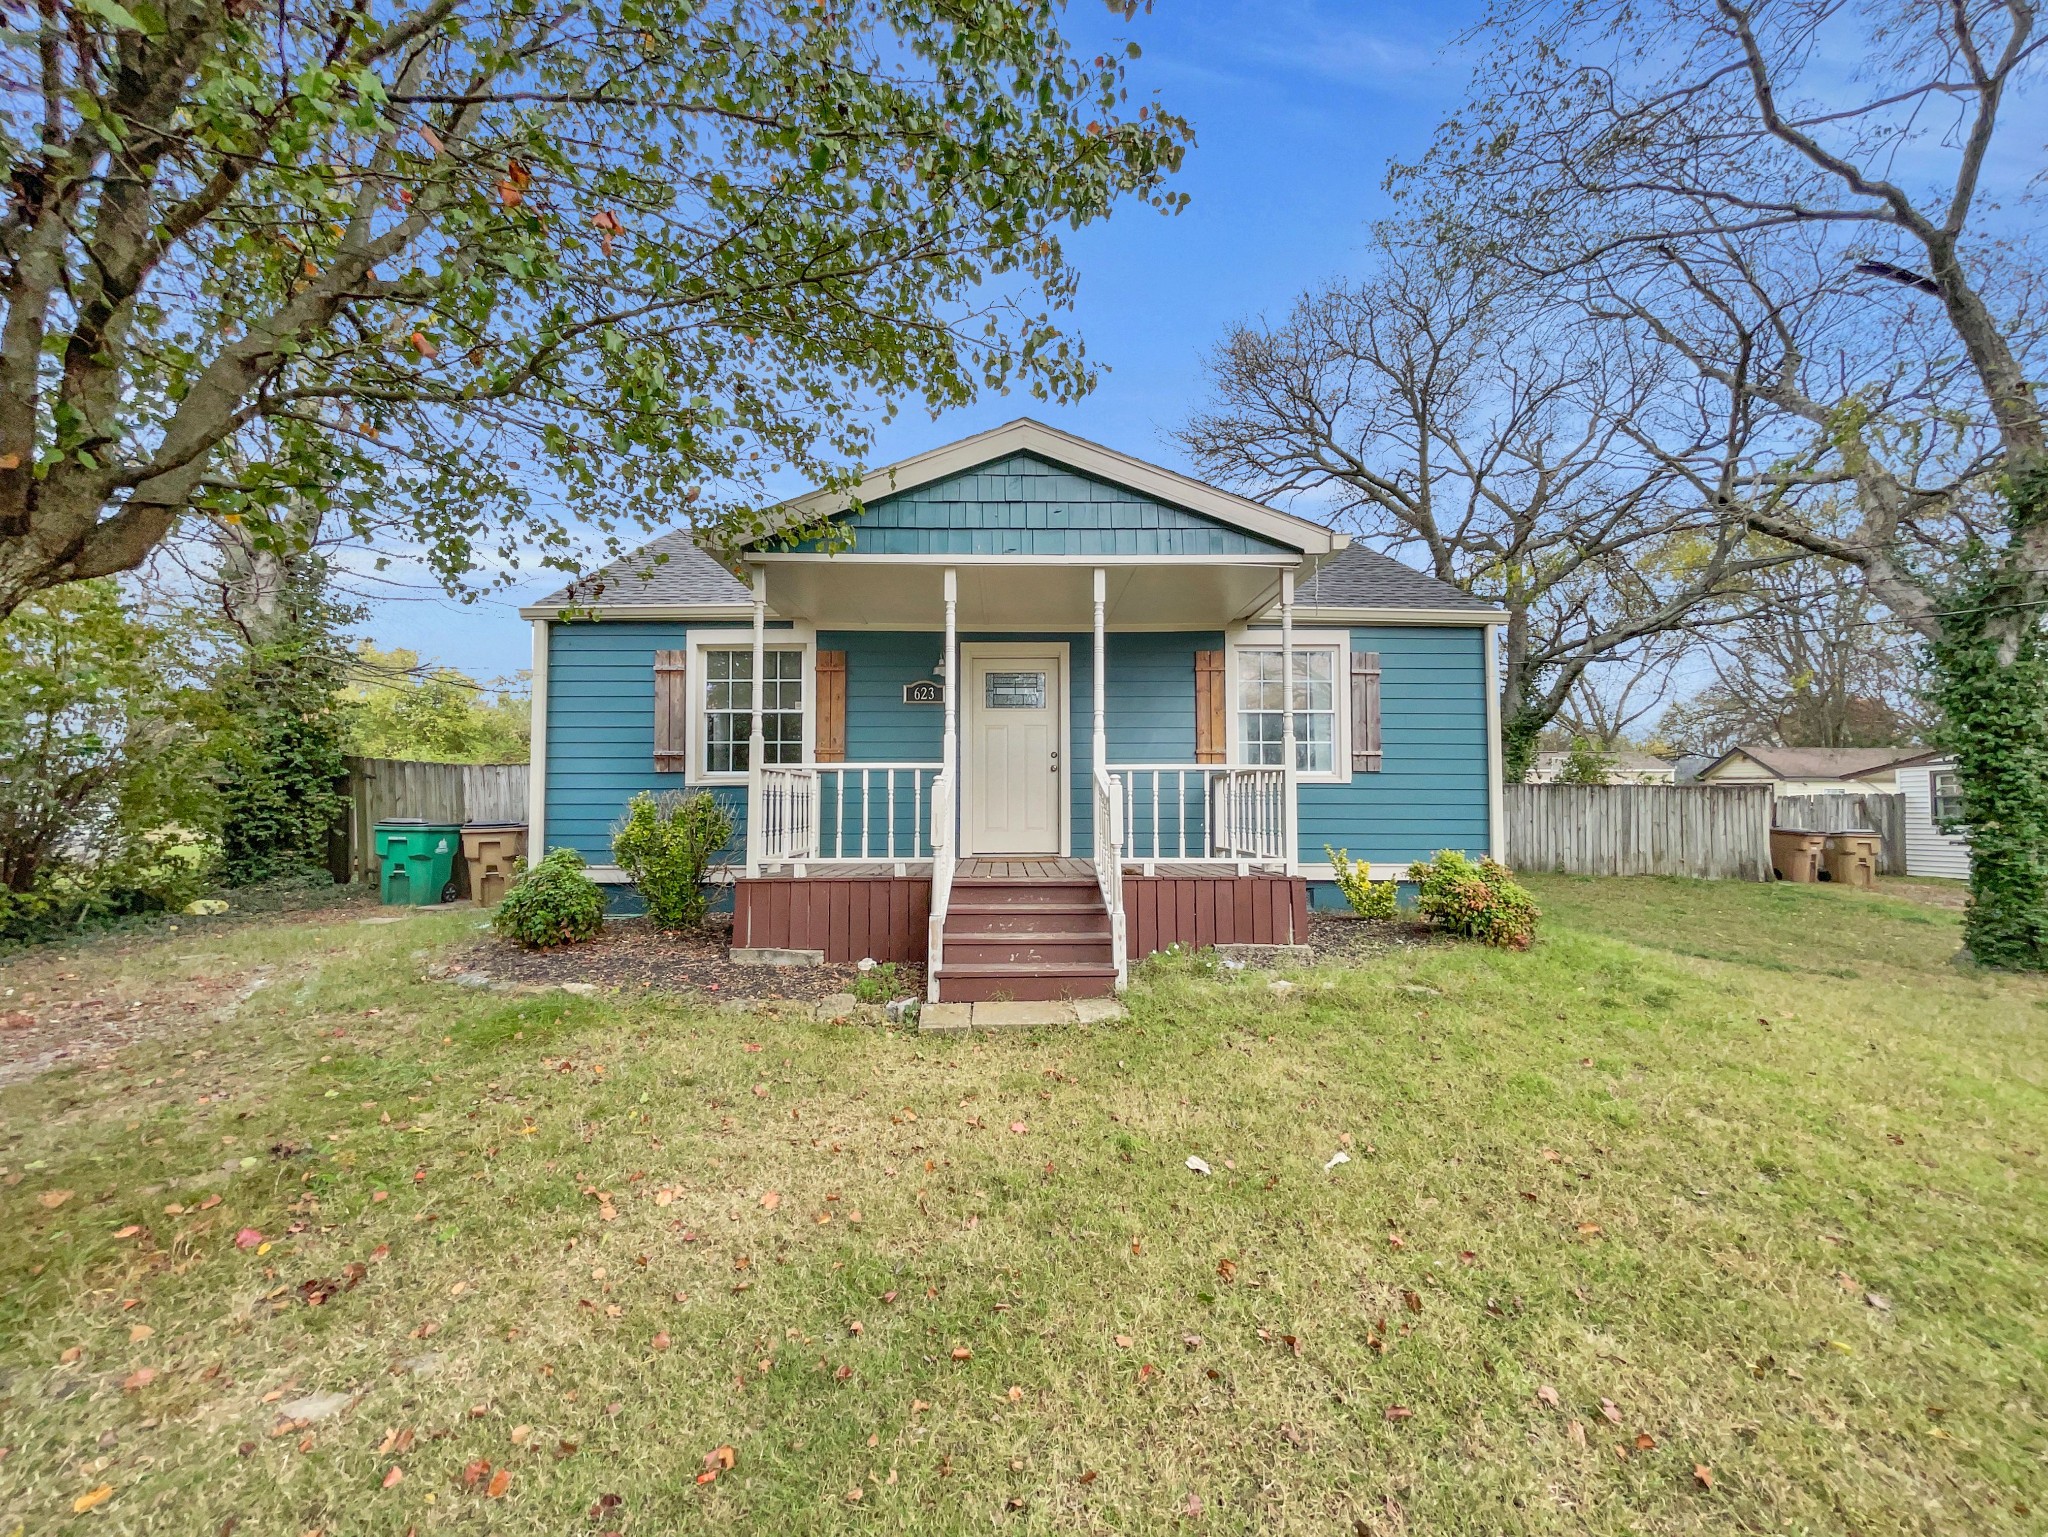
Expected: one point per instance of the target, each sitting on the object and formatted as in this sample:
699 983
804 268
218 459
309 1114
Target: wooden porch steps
1028 939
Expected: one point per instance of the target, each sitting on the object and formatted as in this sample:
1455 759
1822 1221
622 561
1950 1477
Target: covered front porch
1038 674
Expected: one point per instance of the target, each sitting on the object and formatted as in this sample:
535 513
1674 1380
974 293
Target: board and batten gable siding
1431 790
1024 505
600 729
1929 850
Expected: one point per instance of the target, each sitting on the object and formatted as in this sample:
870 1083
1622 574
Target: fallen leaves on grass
1548 1395
138 1379
771 1201
1703 1475
501 1481
394 1478
1399 1412
248 1238
52 1199
92 1498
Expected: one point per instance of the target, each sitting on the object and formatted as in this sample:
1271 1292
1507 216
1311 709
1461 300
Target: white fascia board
1027 436
1277 558
1305 614
570 614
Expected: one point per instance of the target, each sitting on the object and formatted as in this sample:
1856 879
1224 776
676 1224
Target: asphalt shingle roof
686 576
1356 577
1831 762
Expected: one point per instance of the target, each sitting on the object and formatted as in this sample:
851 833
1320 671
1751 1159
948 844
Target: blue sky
1297 108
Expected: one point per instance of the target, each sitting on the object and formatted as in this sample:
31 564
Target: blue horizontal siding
1150 705
1024 505
1431 792
600 730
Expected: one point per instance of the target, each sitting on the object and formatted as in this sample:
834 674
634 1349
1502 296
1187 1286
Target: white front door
1016 738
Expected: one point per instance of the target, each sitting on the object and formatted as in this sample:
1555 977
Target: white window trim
801 638
1338 641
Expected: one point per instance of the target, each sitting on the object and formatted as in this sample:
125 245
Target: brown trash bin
495 853
1795 855
1851 859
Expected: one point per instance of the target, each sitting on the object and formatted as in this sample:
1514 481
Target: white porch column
757 745
1101 738
537 769
949 754
1290 812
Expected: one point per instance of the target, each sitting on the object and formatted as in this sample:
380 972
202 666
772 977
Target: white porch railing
847 812
784 814
1184 811
1109 864
943 861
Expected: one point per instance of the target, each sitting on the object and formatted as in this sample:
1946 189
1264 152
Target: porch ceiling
850 592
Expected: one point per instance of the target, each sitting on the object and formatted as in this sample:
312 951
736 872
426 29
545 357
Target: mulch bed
1340 940
634 956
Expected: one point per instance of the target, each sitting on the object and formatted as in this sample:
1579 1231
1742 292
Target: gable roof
1822 762
1356 577
670 572
1093 460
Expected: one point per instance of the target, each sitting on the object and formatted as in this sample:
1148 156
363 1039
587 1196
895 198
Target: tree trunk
1990 669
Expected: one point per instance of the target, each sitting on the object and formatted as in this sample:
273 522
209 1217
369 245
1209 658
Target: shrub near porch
1756 1167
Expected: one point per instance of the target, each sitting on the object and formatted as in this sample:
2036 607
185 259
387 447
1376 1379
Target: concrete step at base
983 984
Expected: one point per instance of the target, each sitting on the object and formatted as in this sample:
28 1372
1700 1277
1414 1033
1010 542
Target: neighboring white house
1930 795
1623 768
1815 770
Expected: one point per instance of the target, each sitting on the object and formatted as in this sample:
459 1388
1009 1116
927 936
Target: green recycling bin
418 861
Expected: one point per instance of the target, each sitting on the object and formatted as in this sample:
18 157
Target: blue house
1023 717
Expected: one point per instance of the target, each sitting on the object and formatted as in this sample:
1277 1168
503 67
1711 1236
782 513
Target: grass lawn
1720 1210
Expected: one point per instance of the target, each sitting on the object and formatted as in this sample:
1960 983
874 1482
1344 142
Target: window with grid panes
1261 726
729 702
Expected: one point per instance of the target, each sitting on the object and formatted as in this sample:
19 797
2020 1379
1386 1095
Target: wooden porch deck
1007 870
878 909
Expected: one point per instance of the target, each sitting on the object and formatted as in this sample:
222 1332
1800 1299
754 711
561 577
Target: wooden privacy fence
1720 833
383 789
1859 812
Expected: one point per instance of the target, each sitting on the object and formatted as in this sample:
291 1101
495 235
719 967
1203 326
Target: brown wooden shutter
1365 712
1210 738
831 706
671 712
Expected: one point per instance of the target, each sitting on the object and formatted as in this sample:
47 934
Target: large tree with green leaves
1823 209
451 269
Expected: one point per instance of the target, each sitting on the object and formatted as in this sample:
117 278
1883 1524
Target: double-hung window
1262 702
729 705
1947 797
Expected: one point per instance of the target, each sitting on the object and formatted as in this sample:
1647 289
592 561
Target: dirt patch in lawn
83 999
632 955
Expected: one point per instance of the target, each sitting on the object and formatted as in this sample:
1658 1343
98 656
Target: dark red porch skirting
885 917
1203 910
850 918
